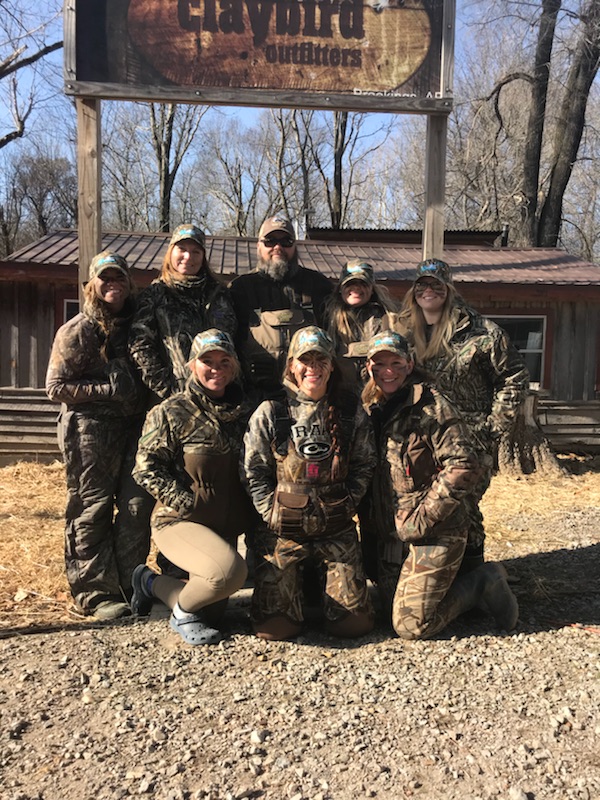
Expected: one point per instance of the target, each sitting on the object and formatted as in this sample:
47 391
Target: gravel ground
114 710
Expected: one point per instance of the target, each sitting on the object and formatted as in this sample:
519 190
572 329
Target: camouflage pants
101 548
278 578
471 502
415 591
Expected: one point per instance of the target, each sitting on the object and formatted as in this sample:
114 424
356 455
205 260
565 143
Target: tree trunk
525 449
571 122
535 126
339 147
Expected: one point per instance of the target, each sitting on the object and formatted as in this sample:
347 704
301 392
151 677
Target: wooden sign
253 50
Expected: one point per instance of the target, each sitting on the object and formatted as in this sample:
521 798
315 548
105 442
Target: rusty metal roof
393 262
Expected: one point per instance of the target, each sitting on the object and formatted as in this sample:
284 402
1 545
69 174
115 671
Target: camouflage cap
434 268
188 231
357 270
212 339
279 222
107 260
311 340
389 342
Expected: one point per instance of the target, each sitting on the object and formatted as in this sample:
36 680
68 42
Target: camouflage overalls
365 321
427 465
307 515
486 379
164 326
269 312
103 410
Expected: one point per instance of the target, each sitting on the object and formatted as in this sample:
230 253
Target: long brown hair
413 322
340 323
95 308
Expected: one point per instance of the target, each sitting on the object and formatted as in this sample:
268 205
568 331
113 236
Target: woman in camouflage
104 403
187 298
473 363
427 466
356 310
188 460
308 460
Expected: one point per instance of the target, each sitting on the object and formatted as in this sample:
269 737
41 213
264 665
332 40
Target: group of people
287 409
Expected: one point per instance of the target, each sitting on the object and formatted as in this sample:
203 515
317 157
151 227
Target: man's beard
279 268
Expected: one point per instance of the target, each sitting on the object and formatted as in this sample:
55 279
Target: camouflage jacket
484 376
365 322
91 373
167 319
300 459
188 458
426 463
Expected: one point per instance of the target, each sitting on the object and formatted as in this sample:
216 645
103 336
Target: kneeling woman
427 466
188 459
308 460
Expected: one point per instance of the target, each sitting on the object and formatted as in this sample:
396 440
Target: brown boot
497 597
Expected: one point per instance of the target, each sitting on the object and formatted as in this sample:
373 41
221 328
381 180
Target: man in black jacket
272 302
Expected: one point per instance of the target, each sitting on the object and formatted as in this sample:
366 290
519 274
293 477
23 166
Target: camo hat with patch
279 222
357 270
212 339
434 268
389 342
311 340
188 231
107 260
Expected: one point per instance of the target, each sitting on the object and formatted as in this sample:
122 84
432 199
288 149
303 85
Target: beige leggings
216 569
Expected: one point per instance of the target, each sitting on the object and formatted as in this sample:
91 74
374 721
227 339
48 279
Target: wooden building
548 301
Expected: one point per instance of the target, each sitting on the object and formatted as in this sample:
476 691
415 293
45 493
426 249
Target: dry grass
33 589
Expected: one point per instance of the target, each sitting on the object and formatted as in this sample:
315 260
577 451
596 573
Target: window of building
528 334
70 309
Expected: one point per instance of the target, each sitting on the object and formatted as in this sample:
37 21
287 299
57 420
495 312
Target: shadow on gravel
557 588
554 589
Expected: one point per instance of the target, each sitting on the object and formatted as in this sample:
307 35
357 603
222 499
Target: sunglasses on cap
273 241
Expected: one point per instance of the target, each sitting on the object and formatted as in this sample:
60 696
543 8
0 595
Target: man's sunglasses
273 241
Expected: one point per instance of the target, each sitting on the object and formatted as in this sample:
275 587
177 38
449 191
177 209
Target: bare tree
234 169
24 41
47 186
39 194
173 128
145 149
571 122
544 182
337 147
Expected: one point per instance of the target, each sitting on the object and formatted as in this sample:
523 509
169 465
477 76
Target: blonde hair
341 326
371 394
412 320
